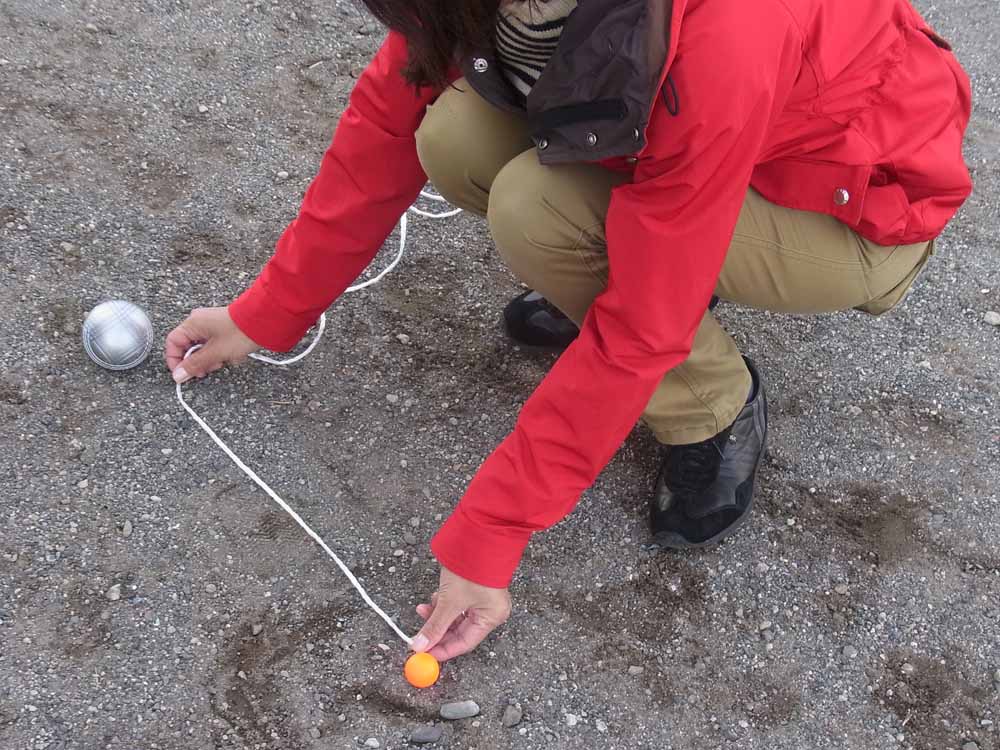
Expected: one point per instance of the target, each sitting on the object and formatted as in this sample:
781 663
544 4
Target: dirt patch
933 703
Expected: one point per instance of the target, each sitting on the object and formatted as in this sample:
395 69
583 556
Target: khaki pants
548 224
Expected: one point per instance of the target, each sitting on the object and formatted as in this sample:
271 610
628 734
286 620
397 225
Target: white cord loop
292 360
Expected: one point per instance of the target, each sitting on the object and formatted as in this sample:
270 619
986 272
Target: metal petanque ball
117 335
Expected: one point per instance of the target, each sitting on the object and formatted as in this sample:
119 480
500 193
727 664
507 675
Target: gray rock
850 652
992 317
601 726
572 720
970 746
841 588
459 710
211 588
114 593
512 715
372 742
88 457
996 676
409 538
256 628
907 668
426 734
315 733
127 529
635 669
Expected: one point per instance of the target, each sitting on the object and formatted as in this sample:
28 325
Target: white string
312 345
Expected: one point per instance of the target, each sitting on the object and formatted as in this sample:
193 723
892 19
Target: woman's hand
223 344
461 614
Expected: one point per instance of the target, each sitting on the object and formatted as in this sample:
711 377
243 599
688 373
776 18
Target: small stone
398 553
790 521
970 746
91 28
402 338
148 427
841 588
88 457
256 628
127 529
426 734
83 484
572 720
601 726
850 652
315 733
211 588
114 593
415 522
512 715
992 317
855 411
762 567
635 669
996 676
459 710
166 451
282 175
392 398
202 108
409 538
452 421
907 668
372 742
765 625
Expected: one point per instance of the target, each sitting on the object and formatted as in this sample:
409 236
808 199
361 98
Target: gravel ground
151 597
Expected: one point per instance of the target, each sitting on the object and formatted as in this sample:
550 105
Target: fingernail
181 375
420 643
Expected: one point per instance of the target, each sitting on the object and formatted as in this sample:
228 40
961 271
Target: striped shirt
528 32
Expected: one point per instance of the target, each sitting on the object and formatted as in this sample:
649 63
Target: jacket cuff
481 554
264 321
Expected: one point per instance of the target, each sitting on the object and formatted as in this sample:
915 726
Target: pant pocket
886 301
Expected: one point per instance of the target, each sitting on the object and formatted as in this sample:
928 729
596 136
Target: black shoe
704 491
534 321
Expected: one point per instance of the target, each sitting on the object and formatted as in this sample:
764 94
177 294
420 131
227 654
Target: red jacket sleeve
369 176
667 233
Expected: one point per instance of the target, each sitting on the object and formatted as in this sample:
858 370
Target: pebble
601 726
996 676
907 669
114 593
372 742
315 733
634 670
202 108
88 457
409 538
459 710
765 625
572 720
415 522
92 28
970 746
402 338
426 734
392 398
841 588
256 628
762 567
850 652
211 588
512 715
127 529
282 175
83 484
992 317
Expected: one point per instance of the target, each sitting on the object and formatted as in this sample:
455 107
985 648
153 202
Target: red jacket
800 99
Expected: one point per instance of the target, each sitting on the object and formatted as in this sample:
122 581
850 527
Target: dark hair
437 32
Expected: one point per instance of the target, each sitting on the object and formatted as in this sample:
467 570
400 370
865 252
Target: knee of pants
517 216
444 147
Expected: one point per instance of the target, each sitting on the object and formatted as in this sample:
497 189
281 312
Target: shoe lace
694 467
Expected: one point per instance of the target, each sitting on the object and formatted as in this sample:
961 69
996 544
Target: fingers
439 620
468 633
178 342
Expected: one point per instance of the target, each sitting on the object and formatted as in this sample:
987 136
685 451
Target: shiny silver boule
117 335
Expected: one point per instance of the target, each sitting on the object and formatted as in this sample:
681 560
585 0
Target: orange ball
421 670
